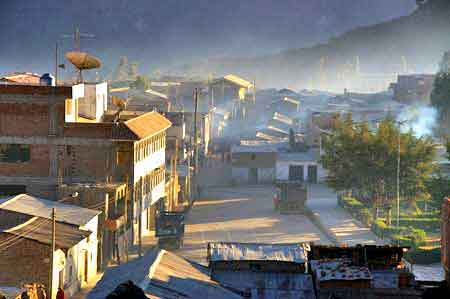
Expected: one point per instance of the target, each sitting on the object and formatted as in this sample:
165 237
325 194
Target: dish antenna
82 61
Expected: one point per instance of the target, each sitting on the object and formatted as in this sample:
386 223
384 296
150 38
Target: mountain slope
160 33
413 43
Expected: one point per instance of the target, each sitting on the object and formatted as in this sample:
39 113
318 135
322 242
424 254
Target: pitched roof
38 207
162 274
40 230
238 81
172 276
148 124
222 251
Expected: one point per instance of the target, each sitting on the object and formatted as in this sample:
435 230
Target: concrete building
40 151
115 221
253 164
300 166
26 234
415 88
88 103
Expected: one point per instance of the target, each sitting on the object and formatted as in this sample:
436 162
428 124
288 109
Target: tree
141 83
365 162
440 96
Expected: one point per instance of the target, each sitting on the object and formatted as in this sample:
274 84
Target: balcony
114 223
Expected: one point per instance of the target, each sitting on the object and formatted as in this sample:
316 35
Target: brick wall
37 166
25 262
84 162
19 119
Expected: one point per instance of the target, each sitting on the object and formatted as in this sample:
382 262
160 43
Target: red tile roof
148 124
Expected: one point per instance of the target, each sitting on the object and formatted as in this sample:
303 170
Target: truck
290 196
170 229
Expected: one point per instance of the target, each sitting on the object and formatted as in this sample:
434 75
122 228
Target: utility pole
398 179
52 254
195 132
56 64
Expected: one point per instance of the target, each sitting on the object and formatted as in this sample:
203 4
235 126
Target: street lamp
399 123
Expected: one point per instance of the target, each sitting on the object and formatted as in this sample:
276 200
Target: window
11 153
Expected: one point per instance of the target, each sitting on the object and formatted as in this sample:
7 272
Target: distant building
21 78
254 163
300 166
26 226
411 89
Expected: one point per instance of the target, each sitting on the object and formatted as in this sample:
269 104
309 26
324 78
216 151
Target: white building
300 166
89 102
148 169
28 218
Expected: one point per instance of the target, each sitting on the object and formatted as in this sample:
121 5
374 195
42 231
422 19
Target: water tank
47 80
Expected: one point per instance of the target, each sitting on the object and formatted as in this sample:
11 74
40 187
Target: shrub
365 216
418 237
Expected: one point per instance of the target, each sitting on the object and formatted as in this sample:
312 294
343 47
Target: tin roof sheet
40 230
171 276
39 207
238 81
339 269
222 251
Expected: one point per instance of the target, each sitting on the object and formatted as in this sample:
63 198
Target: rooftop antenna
81 60
77 36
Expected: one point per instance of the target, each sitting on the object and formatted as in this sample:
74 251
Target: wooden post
52 254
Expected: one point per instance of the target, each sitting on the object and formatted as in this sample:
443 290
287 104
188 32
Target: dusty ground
242 214
323 202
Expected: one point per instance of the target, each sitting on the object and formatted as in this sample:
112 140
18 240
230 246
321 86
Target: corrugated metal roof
222 251
173 277
148 124
10 292
38 207
339 269
238 81
40 230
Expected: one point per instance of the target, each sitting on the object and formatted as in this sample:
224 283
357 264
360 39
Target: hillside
413 43
158 33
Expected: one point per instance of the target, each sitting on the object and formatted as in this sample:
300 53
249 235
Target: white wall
282 169
151 162
239 175
154 195
101 98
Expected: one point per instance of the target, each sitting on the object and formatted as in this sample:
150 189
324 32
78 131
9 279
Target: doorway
253 176
312 174
296 173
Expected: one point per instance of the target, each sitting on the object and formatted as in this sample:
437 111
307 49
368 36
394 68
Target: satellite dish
83 61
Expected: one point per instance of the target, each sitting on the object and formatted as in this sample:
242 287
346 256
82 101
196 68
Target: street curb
315 219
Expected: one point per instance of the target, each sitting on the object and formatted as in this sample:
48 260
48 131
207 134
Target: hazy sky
157 33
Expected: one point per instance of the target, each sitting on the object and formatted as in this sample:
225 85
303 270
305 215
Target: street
242 214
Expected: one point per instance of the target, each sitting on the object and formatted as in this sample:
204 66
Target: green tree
141 83
440 96
365 162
